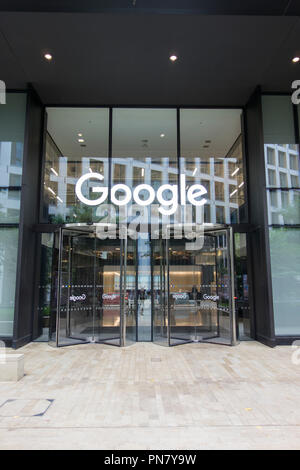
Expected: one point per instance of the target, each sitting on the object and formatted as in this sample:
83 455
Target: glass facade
154 147
145 149
76 143
285 263
134 147
8 268
283 203
12 128
212 155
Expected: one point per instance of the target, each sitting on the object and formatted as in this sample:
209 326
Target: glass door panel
217 304
90 288
76 288
130 291
184 279
201 306
159 293
108 291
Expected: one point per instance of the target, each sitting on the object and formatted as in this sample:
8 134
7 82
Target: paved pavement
195 396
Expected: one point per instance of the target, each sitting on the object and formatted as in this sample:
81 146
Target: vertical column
258 214
26 294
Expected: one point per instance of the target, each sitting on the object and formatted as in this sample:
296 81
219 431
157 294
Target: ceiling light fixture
54 171
48 56
79 134
173 58
296 59
162 135
80 140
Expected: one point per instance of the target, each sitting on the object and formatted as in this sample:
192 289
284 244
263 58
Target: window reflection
212 155
144 151
8 268
67 159
144 147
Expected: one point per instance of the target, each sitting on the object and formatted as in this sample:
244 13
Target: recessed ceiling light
162 135
173 58
48 56
80 140
79 134
296 59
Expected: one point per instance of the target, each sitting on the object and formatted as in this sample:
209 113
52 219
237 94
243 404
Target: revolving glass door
93 301
194 297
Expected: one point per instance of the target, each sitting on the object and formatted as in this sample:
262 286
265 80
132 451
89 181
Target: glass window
15 180
285 264
272 177
76 144
283 209
8 268
220 215
242 305
283 180
204 166
206 184
294 162
274 198
45 295
282 159
295 181
219 167
270 156
12 128
10 205
212 146
119 173
144 147
219 191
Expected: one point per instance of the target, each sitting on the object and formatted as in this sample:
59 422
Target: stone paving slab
151 397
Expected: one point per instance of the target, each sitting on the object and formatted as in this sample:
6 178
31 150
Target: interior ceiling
110 57
137 132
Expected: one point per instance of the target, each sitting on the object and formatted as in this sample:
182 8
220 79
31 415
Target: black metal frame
45 227
178 137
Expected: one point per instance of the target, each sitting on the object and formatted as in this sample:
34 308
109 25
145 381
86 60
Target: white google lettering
109 296
210 297
194 194
74 298
182 296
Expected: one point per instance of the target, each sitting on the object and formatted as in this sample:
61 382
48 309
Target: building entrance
194 291
97 296
93 289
